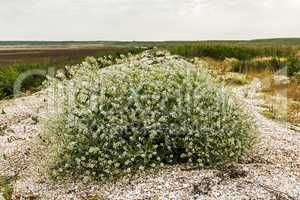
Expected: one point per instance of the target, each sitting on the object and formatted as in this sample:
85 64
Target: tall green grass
222 51
292 65
272 65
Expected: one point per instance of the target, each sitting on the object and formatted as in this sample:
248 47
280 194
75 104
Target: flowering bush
147 111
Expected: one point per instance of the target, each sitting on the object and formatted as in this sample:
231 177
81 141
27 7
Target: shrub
6 187
153 109
9 74
293 65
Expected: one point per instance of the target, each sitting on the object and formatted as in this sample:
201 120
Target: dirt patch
54 54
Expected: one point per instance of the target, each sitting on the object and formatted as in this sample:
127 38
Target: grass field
17 57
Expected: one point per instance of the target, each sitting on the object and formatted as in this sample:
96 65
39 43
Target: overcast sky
148 19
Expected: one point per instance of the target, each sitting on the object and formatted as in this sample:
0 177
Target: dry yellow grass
269 58
223 66
290 93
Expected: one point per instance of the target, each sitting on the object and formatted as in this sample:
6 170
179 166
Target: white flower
127 162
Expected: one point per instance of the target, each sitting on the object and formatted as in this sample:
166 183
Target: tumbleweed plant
144 112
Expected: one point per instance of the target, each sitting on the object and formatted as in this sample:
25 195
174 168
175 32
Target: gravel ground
273 172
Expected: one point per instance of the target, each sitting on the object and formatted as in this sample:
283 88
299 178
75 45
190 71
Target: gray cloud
148 20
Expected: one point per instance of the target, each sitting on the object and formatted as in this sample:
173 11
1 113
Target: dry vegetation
280 93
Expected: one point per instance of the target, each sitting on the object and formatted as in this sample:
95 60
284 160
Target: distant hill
271 41
280 41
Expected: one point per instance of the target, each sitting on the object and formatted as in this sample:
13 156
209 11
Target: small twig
272 190
190 168
294 128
